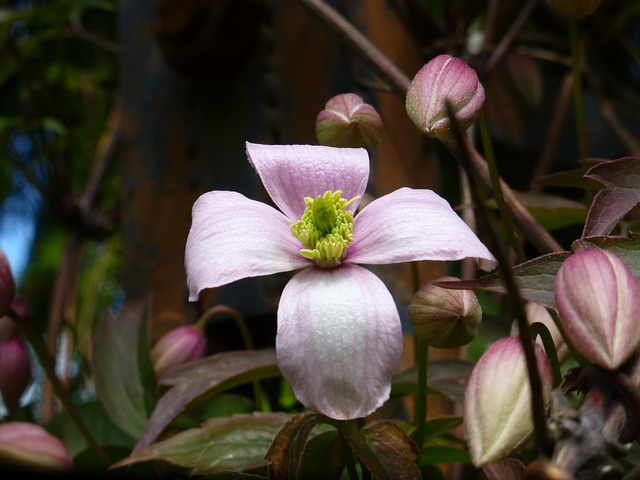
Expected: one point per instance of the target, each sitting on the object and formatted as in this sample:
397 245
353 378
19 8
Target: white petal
339 340
233 237
409 225
291 172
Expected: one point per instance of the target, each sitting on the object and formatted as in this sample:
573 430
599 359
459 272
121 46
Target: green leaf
443 454
122 371
628 249
103 429
322 458
285 453
552 211
621 179
445 377
221 444
439 425
535 279
195 381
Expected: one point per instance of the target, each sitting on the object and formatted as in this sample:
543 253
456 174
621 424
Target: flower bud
598 300
524 74
444 78
178 346
497 400
29 445
15 370
443 317
574 9
347 121
7 284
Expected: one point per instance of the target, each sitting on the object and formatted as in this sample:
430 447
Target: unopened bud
598 300
30 446
178 346
443 317
15 370
444 78
574 9
7 284
497 400
347 121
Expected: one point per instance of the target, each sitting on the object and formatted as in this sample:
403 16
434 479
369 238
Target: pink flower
339 337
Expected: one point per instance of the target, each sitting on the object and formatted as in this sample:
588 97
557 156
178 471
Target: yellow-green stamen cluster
326 229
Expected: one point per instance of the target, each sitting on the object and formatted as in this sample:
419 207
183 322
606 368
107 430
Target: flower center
326 228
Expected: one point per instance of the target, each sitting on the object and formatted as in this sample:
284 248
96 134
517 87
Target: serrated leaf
394 448
621 179
122 370
219 445
195 381
535 279
285 453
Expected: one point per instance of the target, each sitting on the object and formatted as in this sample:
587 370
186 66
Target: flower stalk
535 382
577 88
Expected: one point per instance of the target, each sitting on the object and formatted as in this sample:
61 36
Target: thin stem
398 81
348 457
541 330
497 189
246 338
577 88
400 84
47 364
535 382
420 415
508 37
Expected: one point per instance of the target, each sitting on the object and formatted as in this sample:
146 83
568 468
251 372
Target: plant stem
246 339
348 458
535 382
577 88
47 364
496 187
420 408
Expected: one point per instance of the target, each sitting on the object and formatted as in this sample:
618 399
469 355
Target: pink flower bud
444 77
598 303
7 284
178 346
31 446
497 400
443 317
15 370
347 121
575 9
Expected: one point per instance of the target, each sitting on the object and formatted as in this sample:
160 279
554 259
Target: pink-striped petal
409 225
233 237
339 340
598 302
291 172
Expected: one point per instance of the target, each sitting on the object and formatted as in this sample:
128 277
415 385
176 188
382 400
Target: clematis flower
339 337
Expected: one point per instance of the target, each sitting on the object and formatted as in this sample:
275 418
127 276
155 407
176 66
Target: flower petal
339 340
409 225
233 237
292 172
